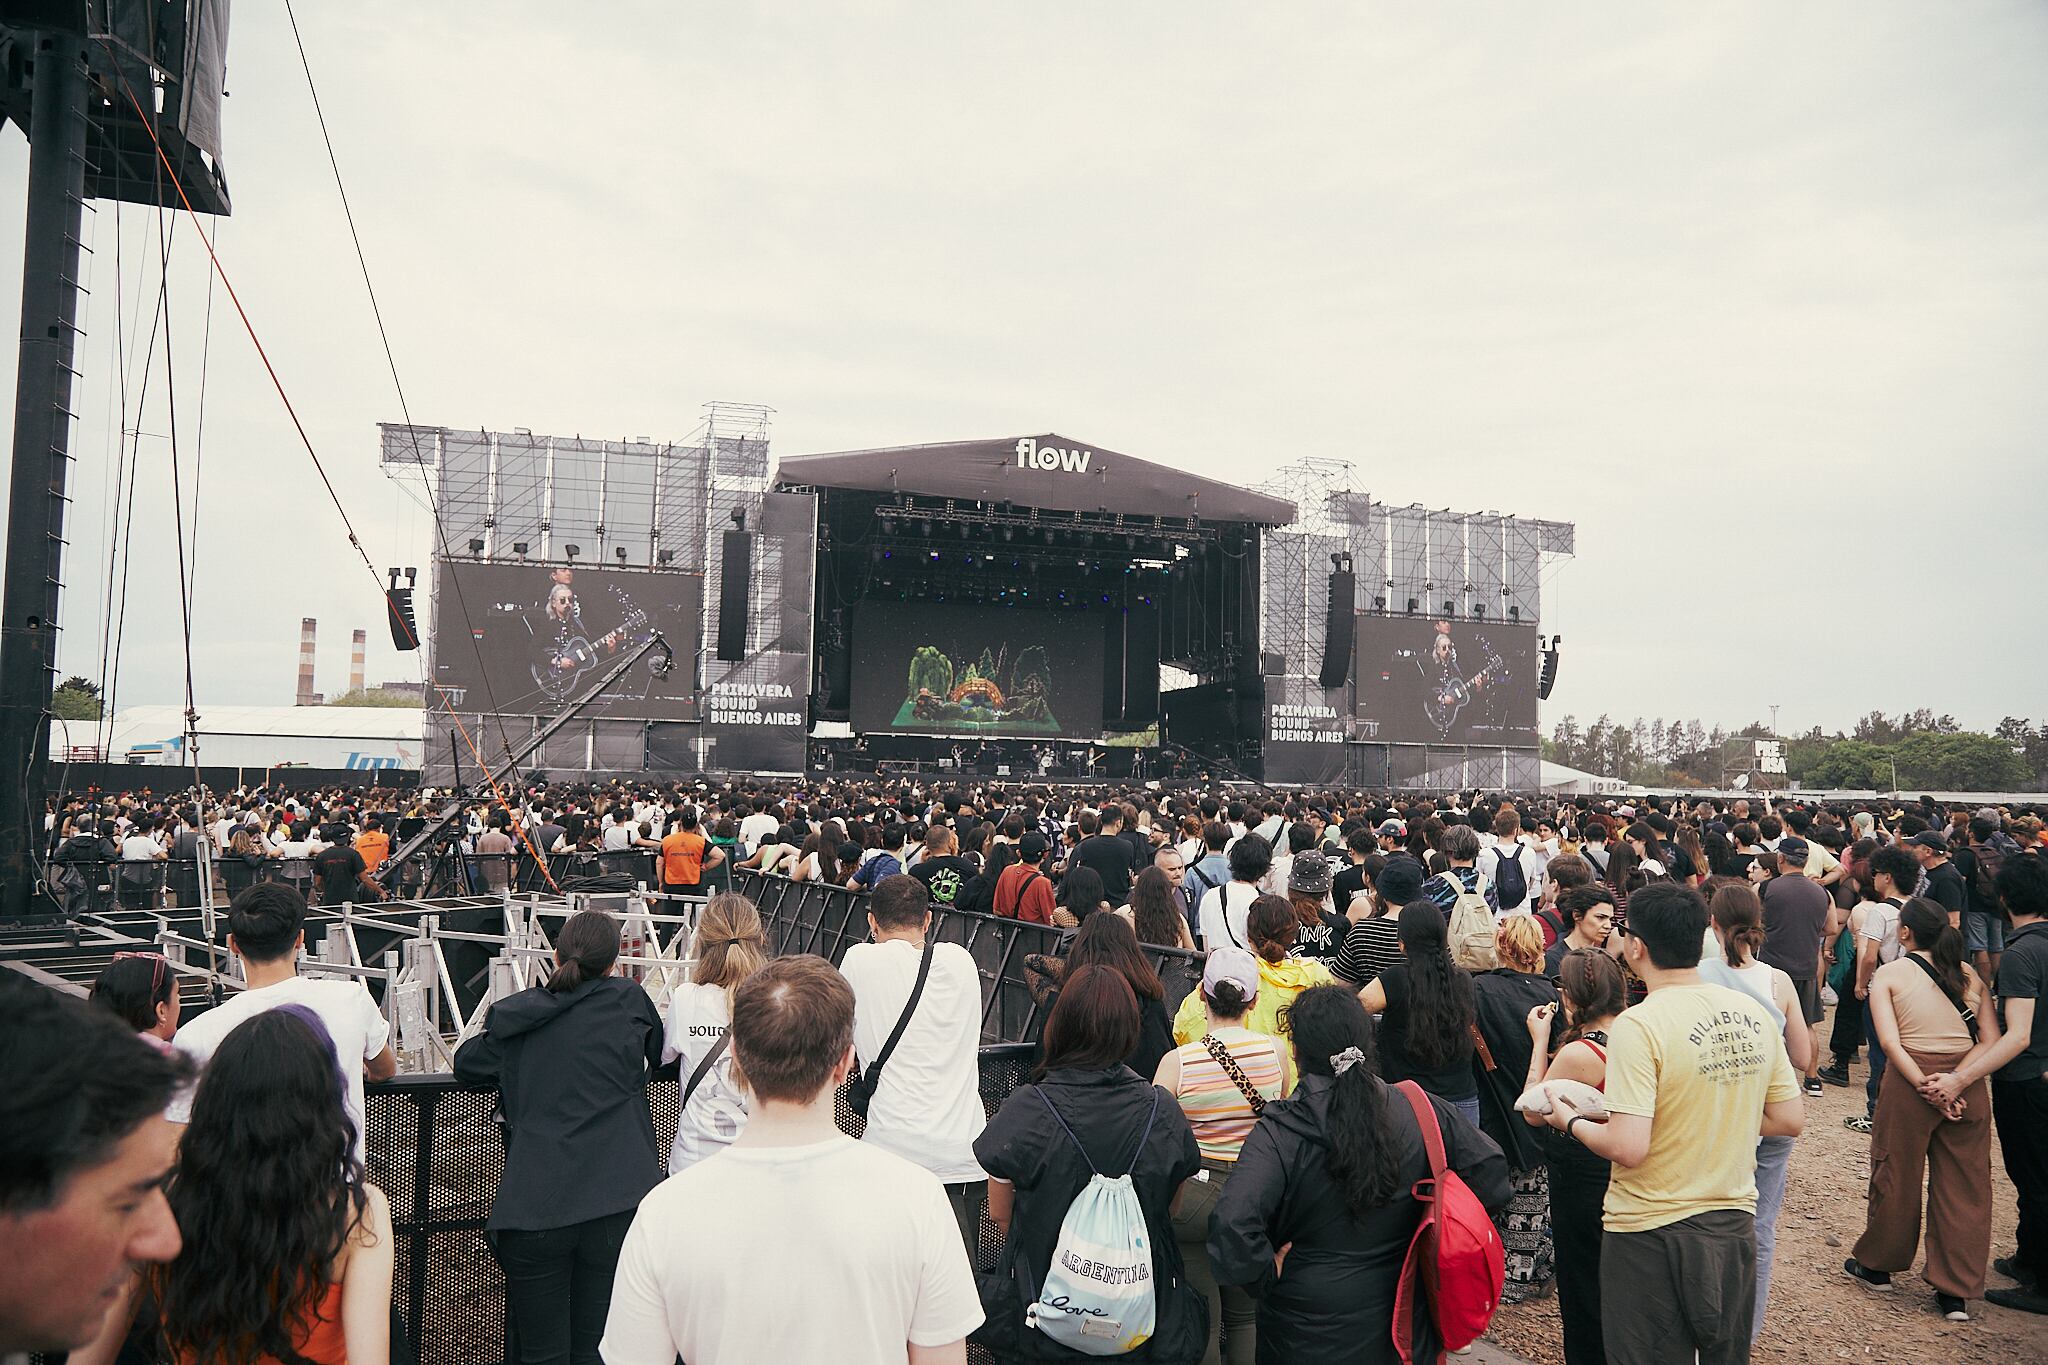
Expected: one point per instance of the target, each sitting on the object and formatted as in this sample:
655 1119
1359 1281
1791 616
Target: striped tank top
1216 1109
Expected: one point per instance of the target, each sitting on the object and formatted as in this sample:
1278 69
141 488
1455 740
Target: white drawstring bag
1098 1296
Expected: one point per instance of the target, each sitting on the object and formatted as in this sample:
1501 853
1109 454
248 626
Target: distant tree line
1928 752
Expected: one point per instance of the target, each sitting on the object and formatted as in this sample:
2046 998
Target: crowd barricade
437 1150
824 919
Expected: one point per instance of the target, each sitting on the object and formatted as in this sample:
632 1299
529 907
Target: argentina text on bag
1098 1295
1456 1264
1470 929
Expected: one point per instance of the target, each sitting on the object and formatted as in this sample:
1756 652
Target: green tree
376 696
1852 763
1938 760
76 698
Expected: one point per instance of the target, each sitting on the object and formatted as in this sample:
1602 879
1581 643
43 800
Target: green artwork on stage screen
991 694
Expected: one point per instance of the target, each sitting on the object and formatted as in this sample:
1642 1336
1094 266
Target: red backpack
1455 1260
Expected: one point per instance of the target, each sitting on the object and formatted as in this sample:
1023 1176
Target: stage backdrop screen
1432 681
938 669
544 635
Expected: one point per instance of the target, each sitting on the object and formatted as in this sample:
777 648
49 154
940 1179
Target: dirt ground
1816 1313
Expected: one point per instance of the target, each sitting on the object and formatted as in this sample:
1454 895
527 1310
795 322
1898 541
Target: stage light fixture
1479 611
412 575
665 557
1450 607
572 550
619 551
1514 613
1412 604
1379 604
519 548
476 547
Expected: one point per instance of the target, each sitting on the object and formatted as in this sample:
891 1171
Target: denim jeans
1469 1108
558 1287
1773 1165
1877 1058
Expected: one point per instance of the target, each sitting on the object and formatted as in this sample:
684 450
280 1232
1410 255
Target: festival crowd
1568 1041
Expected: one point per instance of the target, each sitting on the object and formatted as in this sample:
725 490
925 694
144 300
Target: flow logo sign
1031 455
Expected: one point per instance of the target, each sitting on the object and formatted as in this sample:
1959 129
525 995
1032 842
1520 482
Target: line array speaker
1338 628
734 580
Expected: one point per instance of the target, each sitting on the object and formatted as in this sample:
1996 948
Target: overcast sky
1757 295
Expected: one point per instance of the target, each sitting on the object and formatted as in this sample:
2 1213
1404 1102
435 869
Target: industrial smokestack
307 696
355 661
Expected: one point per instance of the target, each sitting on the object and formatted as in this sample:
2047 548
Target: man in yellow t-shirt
1694 1075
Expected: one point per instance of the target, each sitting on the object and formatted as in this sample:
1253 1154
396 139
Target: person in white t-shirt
730 946
1221 913
266 926
759 825
927 1106
796 1243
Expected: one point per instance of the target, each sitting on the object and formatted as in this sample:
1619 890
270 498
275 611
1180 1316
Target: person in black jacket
1501 1000
570 1061
1087 1112
1318 1214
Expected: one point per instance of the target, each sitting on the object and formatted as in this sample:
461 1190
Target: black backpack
1509 882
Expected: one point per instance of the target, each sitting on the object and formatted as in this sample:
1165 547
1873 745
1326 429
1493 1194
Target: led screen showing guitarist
568 651
1460 683
540 637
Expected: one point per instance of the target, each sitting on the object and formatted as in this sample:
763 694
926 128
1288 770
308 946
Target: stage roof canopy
1049 471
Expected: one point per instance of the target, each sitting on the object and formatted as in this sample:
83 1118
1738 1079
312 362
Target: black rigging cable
391 361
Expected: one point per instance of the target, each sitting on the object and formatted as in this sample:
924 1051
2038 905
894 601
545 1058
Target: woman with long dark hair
1086 1112
1155 912
1108 941
1592 993
1426 1014
288 1249
1080 895
1930 1014
1320 1209
570 1060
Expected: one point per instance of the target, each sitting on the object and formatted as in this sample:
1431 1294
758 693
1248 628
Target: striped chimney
356 645
306 697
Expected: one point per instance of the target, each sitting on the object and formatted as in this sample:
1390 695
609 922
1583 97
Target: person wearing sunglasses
141 989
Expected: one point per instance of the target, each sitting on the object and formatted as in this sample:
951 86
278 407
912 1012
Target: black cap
1929 839
1031 847
1400 881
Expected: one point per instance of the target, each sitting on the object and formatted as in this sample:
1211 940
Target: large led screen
531 640
1434 681
938 669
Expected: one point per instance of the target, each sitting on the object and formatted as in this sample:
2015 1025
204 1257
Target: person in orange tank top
287 1249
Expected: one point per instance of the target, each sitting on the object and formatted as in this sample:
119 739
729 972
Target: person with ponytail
730 946
1930 1014
1320 1207
1223 1082
1736 921
1427 1017
570 1060
1592 993
1271 927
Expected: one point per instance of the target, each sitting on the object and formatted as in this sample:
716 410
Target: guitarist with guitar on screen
565 649
1450 689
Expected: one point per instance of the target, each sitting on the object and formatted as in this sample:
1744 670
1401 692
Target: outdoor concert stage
1030 607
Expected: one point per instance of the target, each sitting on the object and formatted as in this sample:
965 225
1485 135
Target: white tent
1571 782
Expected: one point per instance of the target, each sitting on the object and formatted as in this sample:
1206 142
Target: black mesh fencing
437 1150
824 919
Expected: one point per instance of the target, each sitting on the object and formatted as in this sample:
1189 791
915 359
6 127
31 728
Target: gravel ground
1816 1313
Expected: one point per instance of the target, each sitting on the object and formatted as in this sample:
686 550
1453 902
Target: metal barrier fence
824 919
97 886
437 1151
437 1148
